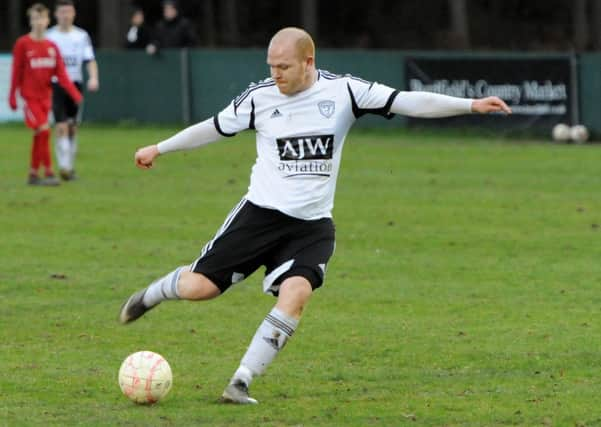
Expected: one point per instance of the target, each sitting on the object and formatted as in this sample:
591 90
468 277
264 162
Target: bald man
301 116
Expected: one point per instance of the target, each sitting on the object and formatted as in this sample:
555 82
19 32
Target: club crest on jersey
327 108
51 51
309 147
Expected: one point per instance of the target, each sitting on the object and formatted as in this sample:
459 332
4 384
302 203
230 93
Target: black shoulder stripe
240 98
218 127
382 111
330 76
356 110
254 86
251 122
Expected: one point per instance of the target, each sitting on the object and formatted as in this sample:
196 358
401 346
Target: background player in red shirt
35 60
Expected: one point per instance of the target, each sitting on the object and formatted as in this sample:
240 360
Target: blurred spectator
138 36
173 30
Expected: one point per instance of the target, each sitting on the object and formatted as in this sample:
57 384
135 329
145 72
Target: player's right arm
17 74
192 137
237 116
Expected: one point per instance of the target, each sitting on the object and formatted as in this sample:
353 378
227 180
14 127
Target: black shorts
63 107
252 236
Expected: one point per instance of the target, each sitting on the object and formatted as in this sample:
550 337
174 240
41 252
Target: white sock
63 156
163 289
270 338
72 152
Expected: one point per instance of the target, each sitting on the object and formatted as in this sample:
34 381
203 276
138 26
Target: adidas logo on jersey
276 113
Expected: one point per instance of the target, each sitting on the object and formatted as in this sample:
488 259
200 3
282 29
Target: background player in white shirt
76 48
301 116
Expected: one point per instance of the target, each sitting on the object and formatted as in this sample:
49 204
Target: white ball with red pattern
145 377
579 133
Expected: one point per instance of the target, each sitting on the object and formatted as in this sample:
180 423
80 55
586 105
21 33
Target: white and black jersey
75 47
300 138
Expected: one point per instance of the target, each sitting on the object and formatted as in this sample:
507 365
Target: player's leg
223 261
271 336
44 141
298 269
36 118
35 162
73 112
73 145
31 121
61 130
44 134
178 284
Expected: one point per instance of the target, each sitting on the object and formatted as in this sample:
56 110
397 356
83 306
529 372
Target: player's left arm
91 64
490 104
194 136
433 105
93 82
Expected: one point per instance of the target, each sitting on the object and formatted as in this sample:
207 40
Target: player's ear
310 61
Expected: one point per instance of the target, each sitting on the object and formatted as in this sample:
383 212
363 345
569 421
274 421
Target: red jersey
34 64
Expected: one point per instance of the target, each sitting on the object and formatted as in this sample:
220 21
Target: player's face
39 22
287 70
65 15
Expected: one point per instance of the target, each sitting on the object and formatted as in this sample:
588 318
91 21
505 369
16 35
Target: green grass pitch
464 290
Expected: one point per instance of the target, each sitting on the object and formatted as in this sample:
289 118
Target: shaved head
291 58
294 38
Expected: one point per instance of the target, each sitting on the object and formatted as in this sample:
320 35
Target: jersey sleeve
239 115
17 72
88 49
370 97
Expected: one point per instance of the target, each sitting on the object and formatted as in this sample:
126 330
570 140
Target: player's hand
491 104
13 103
145 156
93 85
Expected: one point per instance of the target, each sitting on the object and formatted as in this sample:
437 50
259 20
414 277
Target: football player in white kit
76 48
301 116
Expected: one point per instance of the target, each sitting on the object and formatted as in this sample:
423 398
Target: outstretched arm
432 105
491 104
194 136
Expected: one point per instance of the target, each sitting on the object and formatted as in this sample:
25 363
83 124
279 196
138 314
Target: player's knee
42 128
294 295
62 129
196 286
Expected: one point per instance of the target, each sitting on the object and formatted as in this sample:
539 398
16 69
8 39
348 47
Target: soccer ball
579 133
145 377
561 132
